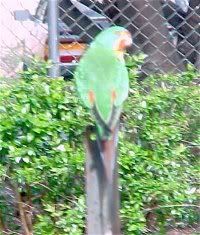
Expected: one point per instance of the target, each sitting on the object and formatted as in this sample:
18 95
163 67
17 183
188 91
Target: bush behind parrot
102 78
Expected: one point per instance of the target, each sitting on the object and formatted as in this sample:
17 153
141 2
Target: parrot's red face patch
124 41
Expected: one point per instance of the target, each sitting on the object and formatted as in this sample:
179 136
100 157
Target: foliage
159 164
42 158
40 136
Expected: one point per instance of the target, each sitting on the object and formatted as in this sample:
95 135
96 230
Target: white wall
18 39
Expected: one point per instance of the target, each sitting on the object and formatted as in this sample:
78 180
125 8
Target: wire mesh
167 31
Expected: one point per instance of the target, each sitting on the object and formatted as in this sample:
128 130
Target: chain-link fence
167 31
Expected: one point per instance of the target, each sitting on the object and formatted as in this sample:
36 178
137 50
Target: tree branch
20 205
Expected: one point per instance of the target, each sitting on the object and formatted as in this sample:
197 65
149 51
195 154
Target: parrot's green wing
102 82
102 73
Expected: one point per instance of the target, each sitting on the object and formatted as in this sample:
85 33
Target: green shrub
41 124
42 157
159 167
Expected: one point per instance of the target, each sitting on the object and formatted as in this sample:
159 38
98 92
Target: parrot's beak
127 40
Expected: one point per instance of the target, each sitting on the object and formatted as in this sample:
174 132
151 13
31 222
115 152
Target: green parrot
102 78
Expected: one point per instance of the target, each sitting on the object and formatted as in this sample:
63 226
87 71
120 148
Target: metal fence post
53 37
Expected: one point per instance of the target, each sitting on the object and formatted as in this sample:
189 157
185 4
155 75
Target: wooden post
102 185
